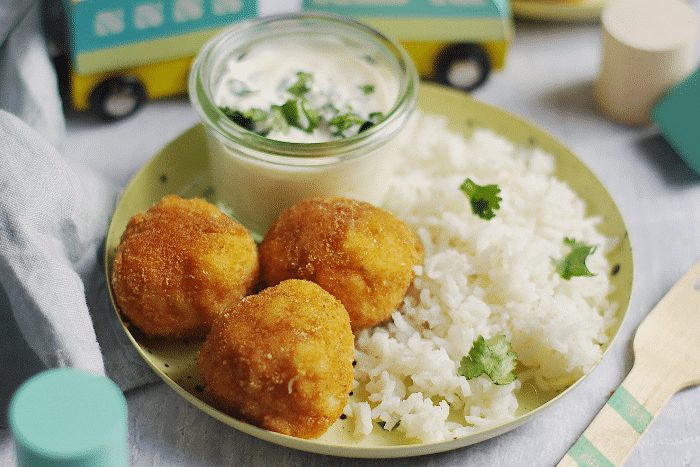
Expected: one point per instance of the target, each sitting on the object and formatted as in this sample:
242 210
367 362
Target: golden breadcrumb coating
282 359
179 265
361 254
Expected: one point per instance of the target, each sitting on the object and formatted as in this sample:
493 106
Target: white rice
480 278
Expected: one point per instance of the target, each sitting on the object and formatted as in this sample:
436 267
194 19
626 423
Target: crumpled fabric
28 82
55 309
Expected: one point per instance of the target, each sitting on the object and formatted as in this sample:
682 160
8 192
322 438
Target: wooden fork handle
617 428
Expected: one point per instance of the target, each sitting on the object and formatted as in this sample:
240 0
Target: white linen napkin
54 303
53 221
28 84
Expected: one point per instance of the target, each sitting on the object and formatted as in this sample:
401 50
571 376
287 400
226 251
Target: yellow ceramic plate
559 10
181 168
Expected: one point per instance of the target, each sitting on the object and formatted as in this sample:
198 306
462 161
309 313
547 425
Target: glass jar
256 177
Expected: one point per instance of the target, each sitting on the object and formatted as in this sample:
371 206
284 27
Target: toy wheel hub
464 74
121 104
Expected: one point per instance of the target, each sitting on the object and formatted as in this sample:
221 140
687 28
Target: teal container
69 418
677 114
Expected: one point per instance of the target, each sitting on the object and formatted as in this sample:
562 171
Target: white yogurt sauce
255 188
342 80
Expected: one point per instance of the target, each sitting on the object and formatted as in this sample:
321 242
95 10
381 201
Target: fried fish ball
361 254
282 359
180 264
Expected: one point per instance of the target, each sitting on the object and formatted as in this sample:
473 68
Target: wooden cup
647 47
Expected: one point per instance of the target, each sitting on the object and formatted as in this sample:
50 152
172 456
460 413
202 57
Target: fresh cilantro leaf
344 122
299 112
493 357
313 117
257 115
367 89
374 118
248 119
279 121
237 117
370 59
302 84
291 110
366 126
484 199
574 264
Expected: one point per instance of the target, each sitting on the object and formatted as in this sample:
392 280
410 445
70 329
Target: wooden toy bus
454 42
122 53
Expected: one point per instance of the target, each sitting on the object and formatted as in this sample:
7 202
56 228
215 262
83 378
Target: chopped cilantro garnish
298 115
374 118
277 122
484 199
493 357
574 264
302 84
299 112
247 119
257 115
238 118
313 117
366 126
291 110
370 59
344 122
367 89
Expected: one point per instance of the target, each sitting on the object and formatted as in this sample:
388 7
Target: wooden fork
666 359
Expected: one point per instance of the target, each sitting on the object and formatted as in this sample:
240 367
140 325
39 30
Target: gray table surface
547 80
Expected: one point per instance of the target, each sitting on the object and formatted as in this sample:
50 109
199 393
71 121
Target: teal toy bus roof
102 24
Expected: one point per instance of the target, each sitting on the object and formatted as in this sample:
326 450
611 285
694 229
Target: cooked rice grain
481 278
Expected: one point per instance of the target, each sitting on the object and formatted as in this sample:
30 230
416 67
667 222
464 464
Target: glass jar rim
301 153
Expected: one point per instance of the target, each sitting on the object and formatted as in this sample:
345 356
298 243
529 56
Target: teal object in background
677 115
100 24
69 418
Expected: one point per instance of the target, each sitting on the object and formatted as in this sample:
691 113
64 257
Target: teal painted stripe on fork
630 409
587 455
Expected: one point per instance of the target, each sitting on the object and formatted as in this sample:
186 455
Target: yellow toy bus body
455 42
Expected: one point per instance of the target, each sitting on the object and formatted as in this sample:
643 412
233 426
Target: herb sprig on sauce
299 112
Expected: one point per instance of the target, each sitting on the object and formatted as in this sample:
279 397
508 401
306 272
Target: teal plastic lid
68 417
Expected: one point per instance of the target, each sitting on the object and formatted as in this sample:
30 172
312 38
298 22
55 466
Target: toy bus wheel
117 98
462 66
